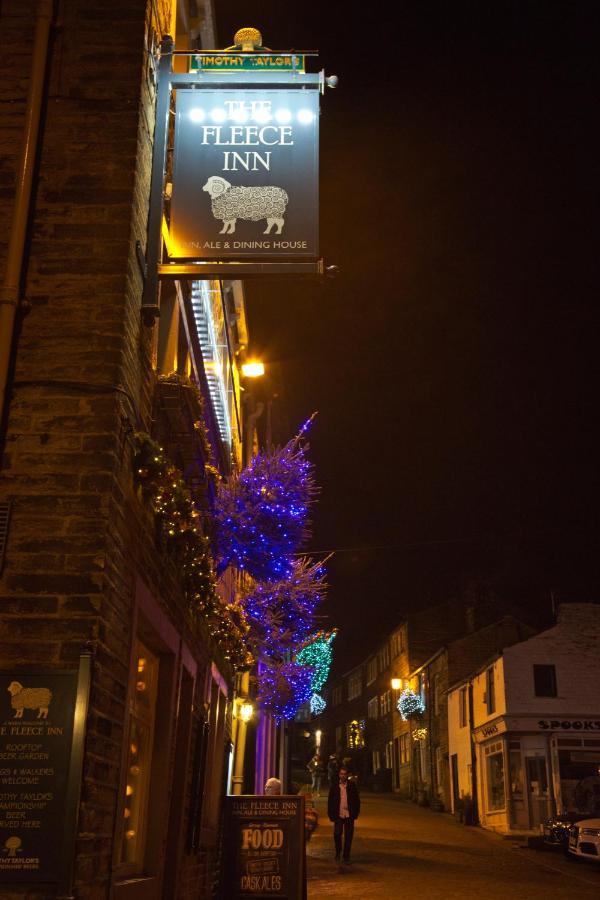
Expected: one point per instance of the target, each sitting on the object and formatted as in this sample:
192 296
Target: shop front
530 768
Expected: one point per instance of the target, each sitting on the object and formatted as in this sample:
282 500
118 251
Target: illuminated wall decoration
207 306
410 704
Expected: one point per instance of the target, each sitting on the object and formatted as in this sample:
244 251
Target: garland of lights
283 688
262 512
410 704
281 614
318 654
318 704
178 522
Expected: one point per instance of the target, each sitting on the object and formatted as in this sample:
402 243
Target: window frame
542 669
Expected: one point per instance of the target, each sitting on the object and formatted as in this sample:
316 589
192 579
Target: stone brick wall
83 383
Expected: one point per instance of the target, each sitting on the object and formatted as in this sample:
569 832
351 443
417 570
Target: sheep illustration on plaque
230 203
22 698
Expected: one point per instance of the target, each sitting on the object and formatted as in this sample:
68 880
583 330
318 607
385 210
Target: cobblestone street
402 850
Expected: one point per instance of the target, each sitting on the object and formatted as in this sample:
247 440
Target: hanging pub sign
240 196
42 729
245 174
264 847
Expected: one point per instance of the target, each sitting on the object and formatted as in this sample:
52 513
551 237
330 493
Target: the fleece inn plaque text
265 847
36 728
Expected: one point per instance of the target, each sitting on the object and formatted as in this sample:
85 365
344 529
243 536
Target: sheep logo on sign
230 203
22 698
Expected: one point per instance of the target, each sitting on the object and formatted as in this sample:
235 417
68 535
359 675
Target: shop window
462 707
494 764
140 740
544 680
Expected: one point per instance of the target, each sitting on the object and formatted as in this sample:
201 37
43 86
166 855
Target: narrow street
402 850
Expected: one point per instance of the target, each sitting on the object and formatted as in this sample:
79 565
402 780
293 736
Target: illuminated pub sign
245 174
265 850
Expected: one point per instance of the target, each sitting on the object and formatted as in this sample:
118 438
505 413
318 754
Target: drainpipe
9 295
474 774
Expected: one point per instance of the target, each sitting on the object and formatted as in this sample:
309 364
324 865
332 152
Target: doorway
537 790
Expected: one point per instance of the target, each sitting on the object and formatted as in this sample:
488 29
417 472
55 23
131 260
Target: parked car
556 828
584 839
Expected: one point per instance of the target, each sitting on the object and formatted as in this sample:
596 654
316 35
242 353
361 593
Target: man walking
343 807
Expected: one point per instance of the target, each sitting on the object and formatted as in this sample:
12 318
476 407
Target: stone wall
83 383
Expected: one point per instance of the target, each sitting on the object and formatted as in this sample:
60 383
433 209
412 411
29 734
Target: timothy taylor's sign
245 174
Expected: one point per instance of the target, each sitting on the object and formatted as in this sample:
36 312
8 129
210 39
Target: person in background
315 767
343 808
333 767
273 786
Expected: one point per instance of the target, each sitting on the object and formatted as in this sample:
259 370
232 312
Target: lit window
139 758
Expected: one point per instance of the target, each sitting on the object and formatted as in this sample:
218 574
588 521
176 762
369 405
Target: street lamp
318 734
246 711
253 369
396 684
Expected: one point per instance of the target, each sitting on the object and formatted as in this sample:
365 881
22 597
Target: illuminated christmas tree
262 513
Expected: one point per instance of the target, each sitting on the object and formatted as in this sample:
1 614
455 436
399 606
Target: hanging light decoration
262 512
410 704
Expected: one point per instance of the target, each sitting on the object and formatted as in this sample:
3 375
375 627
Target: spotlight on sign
305 116
197 115
253 369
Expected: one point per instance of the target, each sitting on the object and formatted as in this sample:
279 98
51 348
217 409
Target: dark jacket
333 801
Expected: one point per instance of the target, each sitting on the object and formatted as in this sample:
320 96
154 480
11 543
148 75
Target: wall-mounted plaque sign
256 62
264 849
38 786
245 174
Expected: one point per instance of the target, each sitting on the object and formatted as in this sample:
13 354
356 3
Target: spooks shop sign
245 174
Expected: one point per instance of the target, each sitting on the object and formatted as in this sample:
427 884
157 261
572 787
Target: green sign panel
258 62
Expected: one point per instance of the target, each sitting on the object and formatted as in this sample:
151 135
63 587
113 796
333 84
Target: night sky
454 361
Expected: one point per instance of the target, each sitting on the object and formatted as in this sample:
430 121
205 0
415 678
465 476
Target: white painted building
524 730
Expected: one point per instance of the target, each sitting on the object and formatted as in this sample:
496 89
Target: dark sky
454 361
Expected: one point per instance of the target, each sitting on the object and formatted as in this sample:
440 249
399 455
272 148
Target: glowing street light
246 711
396 684
253 369
318 734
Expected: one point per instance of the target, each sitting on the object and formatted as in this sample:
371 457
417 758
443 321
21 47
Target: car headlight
593 832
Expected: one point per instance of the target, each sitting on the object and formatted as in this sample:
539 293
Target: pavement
403 850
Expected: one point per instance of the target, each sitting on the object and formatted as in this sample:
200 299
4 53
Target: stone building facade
84 571
524 726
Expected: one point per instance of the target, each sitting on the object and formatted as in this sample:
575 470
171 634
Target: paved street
401 850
